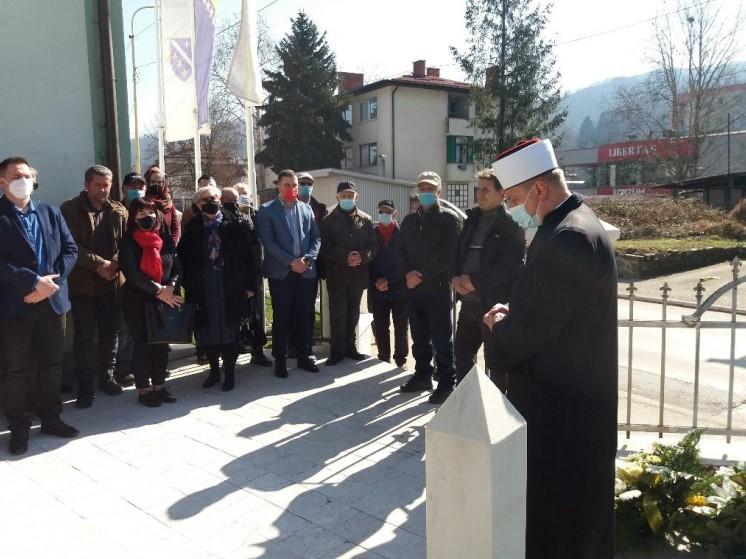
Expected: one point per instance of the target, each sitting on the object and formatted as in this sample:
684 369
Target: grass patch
662 245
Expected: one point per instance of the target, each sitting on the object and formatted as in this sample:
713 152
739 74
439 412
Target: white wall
45 94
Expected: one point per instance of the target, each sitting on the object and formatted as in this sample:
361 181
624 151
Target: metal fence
696 323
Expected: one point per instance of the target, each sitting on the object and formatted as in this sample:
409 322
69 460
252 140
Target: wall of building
50 106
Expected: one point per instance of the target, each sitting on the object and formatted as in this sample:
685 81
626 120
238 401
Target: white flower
630 495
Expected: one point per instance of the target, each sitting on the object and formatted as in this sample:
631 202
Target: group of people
546 318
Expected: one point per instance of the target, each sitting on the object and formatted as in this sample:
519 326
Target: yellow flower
696 500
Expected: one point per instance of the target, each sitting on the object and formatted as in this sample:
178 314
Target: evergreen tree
511 67
587 134
303 115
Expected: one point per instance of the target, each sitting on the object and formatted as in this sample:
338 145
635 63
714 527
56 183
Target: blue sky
382 38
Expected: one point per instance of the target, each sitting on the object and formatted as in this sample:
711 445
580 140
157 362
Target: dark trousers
95 324
311 316
229 353
31 356
430 325
292 298
385 310
344 314
470 335
149 361
125 348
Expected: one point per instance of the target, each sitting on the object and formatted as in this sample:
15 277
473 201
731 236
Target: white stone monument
475 451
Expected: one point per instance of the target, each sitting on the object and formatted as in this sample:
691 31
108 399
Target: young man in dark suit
37 253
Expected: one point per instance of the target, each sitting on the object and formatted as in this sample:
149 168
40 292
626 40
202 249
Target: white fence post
475 451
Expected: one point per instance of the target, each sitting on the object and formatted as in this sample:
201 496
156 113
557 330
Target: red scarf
386 231
151 243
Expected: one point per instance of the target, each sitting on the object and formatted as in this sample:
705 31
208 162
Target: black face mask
231 206
210 208
153 190
146 223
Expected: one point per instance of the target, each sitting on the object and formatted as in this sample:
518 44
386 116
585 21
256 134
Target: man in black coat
386 298
558 342
488 255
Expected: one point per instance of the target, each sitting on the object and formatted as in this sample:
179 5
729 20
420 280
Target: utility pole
138 161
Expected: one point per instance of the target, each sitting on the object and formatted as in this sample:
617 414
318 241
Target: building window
459 150
458 105
346 163
369 109
457 193
347 114
368 155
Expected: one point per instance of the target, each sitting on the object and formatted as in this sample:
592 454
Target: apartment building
402 126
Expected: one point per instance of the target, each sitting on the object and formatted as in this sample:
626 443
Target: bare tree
682 99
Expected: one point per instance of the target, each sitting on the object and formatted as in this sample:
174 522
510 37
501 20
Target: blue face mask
305 191
428 199
347 204
133 195
385 219
243 200
522 217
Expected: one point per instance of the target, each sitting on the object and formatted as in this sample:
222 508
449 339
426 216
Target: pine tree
511 67
587 134
303 115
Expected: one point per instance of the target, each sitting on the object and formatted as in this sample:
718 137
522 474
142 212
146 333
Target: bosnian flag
244 80
204 38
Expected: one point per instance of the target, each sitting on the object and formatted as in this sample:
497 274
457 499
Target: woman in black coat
150 265
219 278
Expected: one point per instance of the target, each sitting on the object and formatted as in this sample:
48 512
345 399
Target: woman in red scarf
148 260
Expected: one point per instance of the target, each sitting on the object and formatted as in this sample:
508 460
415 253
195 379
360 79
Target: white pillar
476 475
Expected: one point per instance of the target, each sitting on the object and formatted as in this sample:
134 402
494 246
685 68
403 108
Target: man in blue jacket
386 297
37 253
291 241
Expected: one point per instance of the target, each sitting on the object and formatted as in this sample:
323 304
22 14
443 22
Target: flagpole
161 117
250 167
197 152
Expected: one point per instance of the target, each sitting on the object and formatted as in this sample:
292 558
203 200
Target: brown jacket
342 233
79 218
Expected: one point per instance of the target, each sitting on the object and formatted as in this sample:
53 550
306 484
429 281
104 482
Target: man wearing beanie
558 342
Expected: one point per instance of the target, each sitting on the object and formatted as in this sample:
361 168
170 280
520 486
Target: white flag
177 67
244 80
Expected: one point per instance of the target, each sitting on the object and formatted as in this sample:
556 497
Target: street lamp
138 163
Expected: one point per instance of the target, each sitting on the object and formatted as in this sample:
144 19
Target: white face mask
21 188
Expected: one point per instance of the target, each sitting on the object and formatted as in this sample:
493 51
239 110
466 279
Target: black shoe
65 388
260 359
440 394
110 387
355 355
55 426
85 398
202 359
308 365
281 369
18 441
165 396
416 384
401 363
384 359
244 349
211 380
125 380
230 382
150 399
334 359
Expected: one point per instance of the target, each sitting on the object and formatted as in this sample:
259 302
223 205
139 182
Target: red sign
644 151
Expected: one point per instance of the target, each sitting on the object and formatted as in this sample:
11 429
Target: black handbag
167 325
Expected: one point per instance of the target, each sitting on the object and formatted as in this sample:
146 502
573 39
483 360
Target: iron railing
693 322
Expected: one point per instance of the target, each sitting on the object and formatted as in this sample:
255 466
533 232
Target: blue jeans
432 331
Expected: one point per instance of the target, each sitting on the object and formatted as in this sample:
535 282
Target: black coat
428 239
385 265
342 233
500 259
137 282
559 346
239 266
